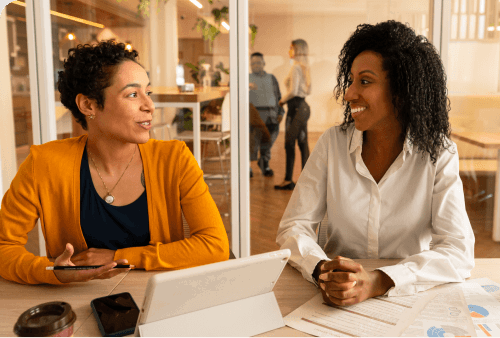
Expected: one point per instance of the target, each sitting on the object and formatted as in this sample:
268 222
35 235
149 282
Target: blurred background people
298 85
264 95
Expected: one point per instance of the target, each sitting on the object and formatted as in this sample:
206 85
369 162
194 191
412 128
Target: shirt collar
357 142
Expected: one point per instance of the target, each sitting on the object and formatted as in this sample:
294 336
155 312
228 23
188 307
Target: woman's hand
281 103
94 256
104 272
345 282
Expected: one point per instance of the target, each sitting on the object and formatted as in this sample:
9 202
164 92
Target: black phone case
98 320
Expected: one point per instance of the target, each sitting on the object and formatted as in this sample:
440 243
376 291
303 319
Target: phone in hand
116 315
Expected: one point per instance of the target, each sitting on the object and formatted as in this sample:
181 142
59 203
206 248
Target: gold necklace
110 198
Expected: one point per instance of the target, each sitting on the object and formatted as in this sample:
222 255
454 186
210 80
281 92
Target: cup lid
45 319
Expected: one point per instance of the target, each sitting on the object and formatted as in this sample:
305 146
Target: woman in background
298 85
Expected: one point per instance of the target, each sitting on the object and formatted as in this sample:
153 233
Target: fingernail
322 286
323 276
354 283
327 294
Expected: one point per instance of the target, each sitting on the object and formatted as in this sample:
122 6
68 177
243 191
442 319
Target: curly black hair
88 70
417 82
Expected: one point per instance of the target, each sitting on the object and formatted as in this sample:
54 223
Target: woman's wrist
381 283
317 270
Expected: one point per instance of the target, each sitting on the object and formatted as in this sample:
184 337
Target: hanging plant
208 31
253 34
220 15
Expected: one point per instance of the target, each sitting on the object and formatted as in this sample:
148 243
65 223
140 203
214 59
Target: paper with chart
446 315
483 299
380 316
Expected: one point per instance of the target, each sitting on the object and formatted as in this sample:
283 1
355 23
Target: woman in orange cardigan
112 196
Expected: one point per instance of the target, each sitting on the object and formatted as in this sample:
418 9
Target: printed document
375 317
483 299
446 315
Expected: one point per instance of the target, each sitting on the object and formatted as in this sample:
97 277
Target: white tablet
205 293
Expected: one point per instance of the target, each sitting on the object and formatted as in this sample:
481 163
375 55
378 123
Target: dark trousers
296 130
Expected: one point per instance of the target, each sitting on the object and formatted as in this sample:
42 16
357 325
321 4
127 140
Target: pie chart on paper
477 311
490 288
446 331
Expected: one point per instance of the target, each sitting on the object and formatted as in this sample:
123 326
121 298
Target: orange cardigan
47 186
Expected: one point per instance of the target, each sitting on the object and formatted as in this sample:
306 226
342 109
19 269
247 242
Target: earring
91 116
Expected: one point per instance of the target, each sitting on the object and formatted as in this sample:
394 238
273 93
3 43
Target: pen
86 267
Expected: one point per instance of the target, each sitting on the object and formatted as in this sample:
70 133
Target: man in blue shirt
265 95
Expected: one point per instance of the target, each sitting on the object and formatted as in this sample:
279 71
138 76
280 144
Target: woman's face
369 94
291 52
128 108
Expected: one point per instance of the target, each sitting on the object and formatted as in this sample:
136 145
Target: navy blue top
105 226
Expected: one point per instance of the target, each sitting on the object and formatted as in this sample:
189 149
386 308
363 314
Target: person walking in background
298 84
264 95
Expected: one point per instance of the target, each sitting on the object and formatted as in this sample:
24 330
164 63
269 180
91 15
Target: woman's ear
86 105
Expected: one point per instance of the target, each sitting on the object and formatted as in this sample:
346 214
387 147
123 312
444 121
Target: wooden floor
267 205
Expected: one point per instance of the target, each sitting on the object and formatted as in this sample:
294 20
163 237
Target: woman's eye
365 82
149 93
134 94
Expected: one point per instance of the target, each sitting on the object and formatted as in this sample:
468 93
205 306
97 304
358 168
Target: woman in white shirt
387 177
298 85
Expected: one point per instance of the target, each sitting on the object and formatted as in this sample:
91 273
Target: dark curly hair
417 81
88 70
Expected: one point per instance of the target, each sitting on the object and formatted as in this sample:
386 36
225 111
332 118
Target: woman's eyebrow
368 71
135 85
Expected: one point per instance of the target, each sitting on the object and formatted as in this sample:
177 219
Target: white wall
473 67
8 160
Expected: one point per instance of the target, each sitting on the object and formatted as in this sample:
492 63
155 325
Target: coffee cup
53 319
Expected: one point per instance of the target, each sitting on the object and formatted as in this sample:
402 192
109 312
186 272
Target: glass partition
19 79
472 65
325 26
184 48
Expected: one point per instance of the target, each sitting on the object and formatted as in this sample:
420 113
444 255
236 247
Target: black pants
296 130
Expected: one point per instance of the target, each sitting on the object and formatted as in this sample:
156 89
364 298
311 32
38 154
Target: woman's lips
146 124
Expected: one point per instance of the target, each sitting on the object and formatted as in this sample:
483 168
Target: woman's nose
351 93
148 105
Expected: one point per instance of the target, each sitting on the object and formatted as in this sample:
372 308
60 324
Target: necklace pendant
109 198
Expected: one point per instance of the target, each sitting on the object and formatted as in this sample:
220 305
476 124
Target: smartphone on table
116 315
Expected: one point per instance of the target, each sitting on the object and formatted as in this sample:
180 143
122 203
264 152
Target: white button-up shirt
414 203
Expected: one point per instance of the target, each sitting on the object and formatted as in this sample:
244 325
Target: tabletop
291 291
172 94
484 140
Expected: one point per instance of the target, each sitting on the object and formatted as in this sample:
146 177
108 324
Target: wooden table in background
291 291
487 141
171 97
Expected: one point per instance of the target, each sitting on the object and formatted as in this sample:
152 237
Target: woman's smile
355 112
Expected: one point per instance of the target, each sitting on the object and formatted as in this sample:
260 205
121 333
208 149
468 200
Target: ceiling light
65 16
71 36
128 46
196 3
225 25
